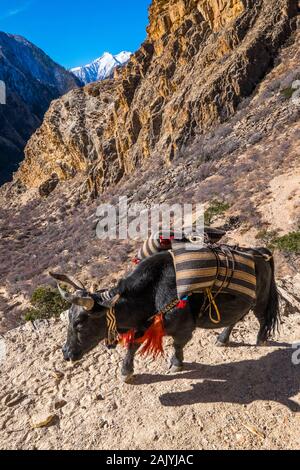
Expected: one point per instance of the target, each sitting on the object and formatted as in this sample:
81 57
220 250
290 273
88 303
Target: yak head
87 317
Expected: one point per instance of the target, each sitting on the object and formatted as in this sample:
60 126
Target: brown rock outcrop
200 59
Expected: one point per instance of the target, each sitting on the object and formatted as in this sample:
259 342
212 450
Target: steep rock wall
199 60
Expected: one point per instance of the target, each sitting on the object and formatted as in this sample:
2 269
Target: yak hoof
127 378
220 344
175 369
261 343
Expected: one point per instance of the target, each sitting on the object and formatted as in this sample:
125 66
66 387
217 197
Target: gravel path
241 397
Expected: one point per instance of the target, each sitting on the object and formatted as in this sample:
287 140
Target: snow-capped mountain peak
102 67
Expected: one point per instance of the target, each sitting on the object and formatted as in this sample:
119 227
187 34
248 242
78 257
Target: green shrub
46 303
289 242
215 209
288 92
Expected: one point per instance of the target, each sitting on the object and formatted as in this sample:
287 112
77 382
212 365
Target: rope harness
111 322
166 309
208 291
212 302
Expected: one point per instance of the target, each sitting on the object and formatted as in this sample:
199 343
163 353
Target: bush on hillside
287 243
46 303
216 209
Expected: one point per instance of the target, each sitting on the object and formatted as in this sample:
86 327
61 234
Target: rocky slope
101 68
32 81
250 163
200 59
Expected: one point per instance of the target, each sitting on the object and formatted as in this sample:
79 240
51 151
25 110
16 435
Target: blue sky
74 33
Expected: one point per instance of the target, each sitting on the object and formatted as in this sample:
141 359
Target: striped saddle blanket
220 268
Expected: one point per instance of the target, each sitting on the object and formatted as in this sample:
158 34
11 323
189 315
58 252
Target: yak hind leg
223 338
263 333
262 336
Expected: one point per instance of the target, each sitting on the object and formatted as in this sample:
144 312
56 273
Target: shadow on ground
273 377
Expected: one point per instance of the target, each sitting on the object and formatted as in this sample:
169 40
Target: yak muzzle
71 355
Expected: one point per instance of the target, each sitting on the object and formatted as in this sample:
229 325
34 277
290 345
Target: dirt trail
242 397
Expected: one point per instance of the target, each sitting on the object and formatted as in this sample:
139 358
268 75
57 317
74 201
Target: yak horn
86 302
67 280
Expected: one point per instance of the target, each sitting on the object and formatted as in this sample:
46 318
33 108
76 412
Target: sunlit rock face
200 59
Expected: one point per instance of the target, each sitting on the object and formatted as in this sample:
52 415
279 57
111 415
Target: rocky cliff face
32 81
200 59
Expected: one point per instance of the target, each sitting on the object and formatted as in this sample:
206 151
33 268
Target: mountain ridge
102 67
32 81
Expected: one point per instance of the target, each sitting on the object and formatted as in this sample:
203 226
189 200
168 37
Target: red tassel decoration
152 341
127 339
181 304
166 242
153 338
136 261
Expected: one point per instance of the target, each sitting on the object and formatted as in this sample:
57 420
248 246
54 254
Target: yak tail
272 313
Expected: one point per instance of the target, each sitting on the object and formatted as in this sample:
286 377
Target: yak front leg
128 363
176 364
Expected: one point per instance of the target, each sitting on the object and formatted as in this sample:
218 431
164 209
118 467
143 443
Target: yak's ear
98 312
86 302
83 300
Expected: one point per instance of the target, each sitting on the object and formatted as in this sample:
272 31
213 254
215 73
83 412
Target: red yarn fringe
152 340
181 304
126 339
166 243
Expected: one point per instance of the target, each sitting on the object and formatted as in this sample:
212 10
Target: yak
147 290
